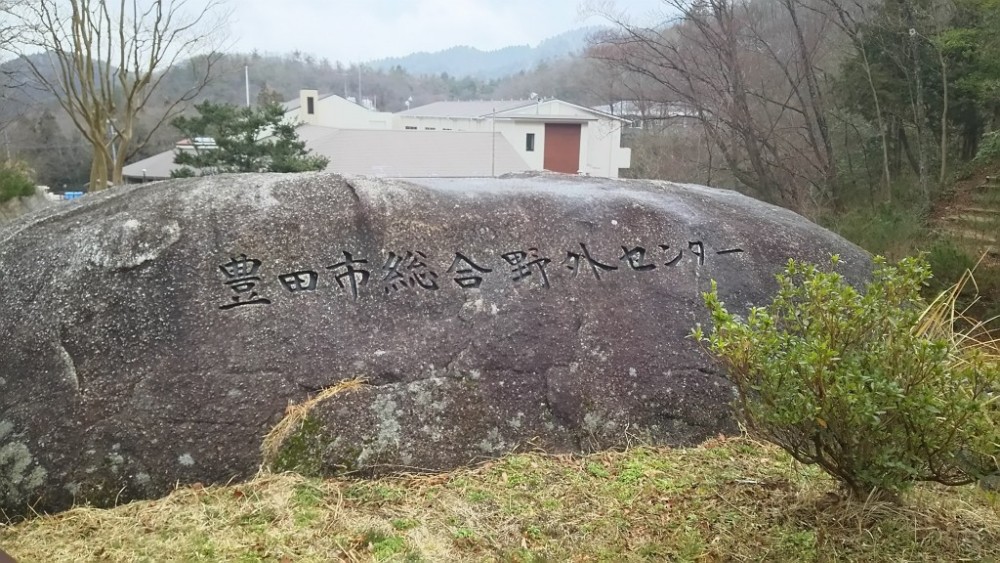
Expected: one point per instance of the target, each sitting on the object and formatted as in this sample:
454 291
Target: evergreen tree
228 139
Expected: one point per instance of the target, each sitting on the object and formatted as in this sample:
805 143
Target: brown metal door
562 147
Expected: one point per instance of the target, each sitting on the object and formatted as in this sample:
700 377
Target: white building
333 111
444 139
548 134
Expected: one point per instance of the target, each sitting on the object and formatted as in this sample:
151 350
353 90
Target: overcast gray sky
362 30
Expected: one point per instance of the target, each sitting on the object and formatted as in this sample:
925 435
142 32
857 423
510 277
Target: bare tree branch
104 61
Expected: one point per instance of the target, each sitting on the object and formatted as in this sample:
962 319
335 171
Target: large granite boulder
155 334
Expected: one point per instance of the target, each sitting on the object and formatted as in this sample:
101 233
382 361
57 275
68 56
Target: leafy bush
989 148
867 384
890 230
947 262
15 181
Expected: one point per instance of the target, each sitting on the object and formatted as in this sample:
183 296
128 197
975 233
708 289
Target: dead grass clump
943 319
295 415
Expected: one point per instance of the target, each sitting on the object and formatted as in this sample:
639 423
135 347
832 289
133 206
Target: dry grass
944 319
295 415
727 500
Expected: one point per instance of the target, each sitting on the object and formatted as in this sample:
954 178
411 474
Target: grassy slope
726 500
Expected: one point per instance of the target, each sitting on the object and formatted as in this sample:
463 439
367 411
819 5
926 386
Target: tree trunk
944 118
904 142
882 127
896 160
919 111
124 142
99 168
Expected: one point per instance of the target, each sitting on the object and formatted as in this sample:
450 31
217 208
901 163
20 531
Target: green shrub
858 383
14 182
894 231
989 148
947 262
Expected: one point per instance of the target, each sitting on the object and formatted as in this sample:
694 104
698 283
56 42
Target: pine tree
230 139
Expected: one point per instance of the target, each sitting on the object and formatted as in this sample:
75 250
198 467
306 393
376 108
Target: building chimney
309 106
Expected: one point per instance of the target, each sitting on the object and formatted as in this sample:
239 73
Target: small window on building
310 105
411 127
529 142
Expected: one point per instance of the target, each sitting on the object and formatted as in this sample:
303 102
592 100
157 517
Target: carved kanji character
408 271
242 277
355 276
524 262
574 259
299 281
467 277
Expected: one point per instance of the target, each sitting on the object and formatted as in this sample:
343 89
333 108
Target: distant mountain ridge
462 61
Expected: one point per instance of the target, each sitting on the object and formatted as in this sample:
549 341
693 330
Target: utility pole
246 80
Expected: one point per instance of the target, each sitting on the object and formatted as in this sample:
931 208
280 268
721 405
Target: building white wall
601 153
440 123
604 153
516 133
334 111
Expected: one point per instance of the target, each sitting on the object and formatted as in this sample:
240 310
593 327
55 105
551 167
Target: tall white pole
493 155
246 71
